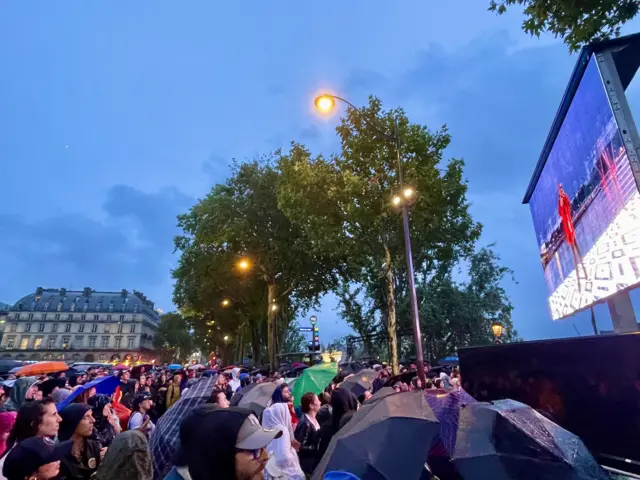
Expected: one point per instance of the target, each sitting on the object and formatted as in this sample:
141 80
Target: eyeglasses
256 453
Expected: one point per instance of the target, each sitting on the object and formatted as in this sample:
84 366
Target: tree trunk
271 323
391 314
255 345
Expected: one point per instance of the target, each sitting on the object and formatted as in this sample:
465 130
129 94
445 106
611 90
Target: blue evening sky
116 116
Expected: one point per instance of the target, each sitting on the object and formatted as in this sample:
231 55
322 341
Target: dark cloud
131 248
217 168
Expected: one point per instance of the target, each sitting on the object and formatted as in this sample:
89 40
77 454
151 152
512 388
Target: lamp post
326 103
497 330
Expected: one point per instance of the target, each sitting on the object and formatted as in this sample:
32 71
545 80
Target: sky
117 116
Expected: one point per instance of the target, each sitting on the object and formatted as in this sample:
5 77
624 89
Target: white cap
252 436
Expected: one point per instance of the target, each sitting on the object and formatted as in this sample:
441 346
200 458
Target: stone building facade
89 326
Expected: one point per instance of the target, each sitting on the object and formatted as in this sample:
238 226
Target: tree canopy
172 339
578 23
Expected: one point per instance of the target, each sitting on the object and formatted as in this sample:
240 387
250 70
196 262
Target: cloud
130 248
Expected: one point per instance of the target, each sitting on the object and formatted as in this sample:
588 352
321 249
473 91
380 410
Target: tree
172 338
577 22
344 203
294 340
241 219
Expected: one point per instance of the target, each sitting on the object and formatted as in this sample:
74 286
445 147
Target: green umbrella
314 379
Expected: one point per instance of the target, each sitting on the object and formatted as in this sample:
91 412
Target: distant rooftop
86 300
4 307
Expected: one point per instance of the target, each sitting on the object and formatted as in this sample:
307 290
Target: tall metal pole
417 335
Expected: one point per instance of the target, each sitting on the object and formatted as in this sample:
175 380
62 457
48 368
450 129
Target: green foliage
577 22
294 340
172 338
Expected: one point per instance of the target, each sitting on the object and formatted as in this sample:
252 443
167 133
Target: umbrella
237 396
450 361
7 365
403 377
41 368
174 366
139 369
508 440
348 368
258 397
210 373
360 382
386 440
380 394
166 437
106 385
196 367
122 366
295 365
314 379
446 406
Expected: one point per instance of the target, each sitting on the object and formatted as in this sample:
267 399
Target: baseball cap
30 454
252 436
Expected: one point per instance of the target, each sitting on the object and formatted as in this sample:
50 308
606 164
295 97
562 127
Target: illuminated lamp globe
324 103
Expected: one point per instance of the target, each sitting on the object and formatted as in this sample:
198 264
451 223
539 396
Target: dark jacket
72 469
342 401
307 435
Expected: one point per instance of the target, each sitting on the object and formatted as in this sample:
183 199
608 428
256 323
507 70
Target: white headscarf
286 461
235 380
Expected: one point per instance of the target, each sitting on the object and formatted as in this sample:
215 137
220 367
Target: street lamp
497 330
226 337
325 103
244 264
225 303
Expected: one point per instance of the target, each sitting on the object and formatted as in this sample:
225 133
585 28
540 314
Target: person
566 218
306 432
221 444
342 402
22 391
281 394
51 385
283 461
173 392
126 389
128 458
84 458
324 414
218 398
234 383
106 425
161 394
7 419
140 418
35 458
34 419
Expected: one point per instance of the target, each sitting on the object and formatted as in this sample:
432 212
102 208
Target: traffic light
314 348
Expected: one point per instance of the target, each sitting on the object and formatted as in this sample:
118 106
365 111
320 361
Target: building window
96 318
92 342
134 317
108 318
122 318
24 343
67 327
59 306
10 342
118 342
105 342
65 342
57 316
51 343
130 342
27 327
83 317
31 316
16 316
14 327
43 317
106 329
120 328
38 343
94 328
70 317
54 328
133 329
81 328
41 327
78 343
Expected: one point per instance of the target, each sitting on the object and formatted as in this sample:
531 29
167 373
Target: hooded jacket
18 393
128 458
103 431
235 380
342 402
70 467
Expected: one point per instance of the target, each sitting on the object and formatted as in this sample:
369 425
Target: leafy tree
241 219
344 203
294 340
577 22
172 338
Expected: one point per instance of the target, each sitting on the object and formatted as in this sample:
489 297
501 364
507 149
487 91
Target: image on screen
586 206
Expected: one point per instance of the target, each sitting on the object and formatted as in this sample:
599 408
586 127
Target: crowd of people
45 436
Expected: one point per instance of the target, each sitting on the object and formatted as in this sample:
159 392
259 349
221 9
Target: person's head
438 383
325 398
149 381
163 378
310 403
77 421
143 379
367 395
39 419
142 403
416 383
7 420
126 375
281 394
177 379
219 398
35 459
100 409
227 441
342 401
397 386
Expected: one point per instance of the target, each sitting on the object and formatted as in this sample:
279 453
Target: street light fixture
226 337
397 201
325 103
244 264
225 303
274 307
497 330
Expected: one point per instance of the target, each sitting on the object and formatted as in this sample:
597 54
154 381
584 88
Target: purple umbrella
446 406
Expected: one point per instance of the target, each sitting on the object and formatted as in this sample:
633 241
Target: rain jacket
342 402
128 458
235 380
18 393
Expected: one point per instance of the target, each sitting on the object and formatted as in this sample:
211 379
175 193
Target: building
90 326
4 314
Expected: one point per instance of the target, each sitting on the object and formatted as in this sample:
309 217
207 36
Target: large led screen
586 206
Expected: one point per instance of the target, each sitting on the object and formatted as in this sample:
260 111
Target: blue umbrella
450 361
106 385
174 366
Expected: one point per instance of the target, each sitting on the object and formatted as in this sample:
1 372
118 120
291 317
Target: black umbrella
360 382
347 368
380 394
237 396
403 377
258 397
509 440
385 440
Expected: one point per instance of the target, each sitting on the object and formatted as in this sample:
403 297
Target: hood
235 373
97 404
18 392
208 442
71 416
342 401
127 457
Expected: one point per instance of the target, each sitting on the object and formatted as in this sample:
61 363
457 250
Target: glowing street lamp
397 201
244 264
225 303
325 103
226 338
497 330
274 307
409 192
